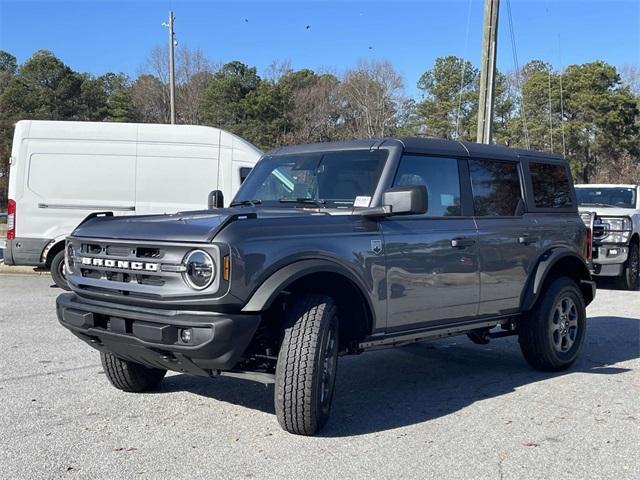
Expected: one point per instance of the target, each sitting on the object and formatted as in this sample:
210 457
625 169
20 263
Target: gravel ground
449 409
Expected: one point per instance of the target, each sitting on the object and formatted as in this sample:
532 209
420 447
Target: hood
609 211
196 227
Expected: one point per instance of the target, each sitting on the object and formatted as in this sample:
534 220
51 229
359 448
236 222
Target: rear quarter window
551 187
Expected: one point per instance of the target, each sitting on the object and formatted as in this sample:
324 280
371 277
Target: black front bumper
153 337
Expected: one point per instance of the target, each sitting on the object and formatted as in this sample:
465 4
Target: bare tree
278 69
193 71
630 75
149 100
373 94
316 111
624 169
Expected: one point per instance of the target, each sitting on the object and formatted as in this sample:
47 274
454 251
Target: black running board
430 333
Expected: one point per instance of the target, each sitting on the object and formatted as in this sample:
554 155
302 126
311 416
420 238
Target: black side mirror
406 200
216 199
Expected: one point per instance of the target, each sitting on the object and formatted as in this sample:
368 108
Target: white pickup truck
616 230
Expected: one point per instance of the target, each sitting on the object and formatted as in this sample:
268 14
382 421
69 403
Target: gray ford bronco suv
334 249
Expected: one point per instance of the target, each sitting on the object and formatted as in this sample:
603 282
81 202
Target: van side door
431 259
508 237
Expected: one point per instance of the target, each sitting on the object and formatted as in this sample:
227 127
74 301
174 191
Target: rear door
432 259
508 237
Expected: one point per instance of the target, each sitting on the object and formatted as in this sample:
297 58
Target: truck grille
140 269
599 230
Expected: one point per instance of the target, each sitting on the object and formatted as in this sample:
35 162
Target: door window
439 175
496 188
244 173
551 187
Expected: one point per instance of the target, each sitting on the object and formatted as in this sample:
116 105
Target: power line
514 50
550 112
564 148
463 68
549 72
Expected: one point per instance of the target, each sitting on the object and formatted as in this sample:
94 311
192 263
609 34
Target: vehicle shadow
392 388
608 283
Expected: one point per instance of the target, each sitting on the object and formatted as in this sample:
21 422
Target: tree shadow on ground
393 388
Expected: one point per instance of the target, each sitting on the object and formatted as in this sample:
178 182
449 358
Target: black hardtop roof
430 146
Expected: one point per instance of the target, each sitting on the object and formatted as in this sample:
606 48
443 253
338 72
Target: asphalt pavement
447 409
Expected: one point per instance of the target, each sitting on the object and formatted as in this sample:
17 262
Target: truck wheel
630 278
552 335
57 271
307 364
130 376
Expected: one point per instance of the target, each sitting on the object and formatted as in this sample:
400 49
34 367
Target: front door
431 259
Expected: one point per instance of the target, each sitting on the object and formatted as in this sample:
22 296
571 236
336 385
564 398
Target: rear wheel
630 278
552 335
130 376
307 364
58 273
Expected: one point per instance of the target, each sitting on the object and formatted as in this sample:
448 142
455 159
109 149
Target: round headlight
200 269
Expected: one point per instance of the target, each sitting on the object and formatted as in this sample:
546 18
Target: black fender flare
267 292
545 265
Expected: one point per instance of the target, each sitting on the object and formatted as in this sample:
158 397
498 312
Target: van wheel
130 376
307 364
57 271
552 335
630 278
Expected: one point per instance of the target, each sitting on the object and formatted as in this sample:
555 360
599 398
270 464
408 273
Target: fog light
185 335
613 252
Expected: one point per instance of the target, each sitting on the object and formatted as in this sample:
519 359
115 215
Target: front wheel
130 376
630 278
552 335
58 273
307 364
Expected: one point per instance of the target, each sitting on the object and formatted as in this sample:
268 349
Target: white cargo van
63 171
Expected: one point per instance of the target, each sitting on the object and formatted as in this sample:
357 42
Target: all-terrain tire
130 376
307 365
57 271
630 278
552 335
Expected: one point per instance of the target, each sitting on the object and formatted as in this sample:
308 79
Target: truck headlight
617 229
200 269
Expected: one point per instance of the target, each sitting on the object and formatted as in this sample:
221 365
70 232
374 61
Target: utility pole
488 70
172 76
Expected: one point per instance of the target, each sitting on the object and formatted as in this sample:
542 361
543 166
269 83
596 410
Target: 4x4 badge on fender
376 246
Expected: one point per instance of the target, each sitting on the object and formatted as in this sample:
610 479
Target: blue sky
99 36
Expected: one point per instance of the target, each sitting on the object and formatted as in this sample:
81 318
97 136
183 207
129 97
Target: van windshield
618 197
332 179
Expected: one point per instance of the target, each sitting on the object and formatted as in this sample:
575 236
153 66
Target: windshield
332 179
618 197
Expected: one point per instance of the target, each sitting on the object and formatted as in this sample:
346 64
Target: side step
432 333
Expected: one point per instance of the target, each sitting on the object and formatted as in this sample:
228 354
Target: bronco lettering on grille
123 264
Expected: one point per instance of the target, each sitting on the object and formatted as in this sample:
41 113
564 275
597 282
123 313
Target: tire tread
296 407
533 336
130 376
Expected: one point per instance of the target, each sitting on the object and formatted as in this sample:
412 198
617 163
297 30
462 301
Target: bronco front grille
140 269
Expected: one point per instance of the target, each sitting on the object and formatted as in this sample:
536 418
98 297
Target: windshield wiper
312 201
243 203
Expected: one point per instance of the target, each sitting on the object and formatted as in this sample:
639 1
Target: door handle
527 240
462 242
